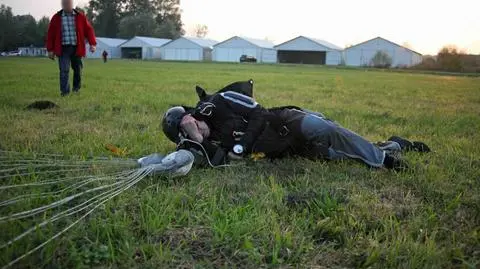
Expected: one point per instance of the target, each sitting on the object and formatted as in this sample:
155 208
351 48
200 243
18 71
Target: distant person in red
67 32
105 56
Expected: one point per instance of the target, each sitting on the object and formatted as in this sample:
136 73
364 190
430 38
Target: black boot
395 163
410 146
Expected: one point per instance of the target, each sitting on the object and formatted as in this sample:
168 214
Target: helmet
171 123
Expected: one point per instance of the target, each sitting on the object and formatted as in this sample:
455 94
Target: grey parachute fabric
44 196
175 164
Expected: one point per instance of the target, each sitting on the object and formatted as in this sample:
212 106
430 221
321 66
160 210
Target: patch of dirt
42 105
300 199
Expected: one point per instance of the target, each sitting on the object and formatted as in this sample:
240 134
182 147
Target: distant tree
26 27
19 31
139 7
6 28
81 9
381 60
449 58
42 28
110 16
200 30
141 24
106 16
407 45
429 62
169 18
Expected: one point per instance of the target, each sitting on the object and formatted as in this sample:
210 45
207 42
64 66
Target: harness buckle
284 131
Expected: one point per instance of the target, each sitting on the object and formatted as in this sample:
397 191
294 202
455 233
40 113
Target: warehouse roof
149 41
384 40
111 42
202 42
315 40
256 42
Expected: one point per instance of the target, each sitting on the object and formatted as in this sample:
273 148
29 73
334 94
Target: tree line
110 18
21 30
128 18
451 59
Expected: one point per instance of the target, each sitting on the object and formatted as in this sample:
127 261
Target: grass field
294 213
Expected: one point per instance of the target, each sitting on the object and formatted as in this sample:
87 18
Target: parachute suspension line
14 168
42 173
75 222
141 174
51 182
38 210
75 209
78 197
57 193
6 153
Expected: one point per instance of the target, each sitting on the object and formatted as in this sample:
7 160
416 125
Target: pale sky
426 25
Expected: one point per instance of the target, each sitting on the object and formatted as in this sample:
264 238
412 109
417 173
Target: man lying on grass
231 125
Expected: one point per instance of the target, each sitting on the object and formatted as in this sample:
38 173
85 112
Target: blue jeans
69 58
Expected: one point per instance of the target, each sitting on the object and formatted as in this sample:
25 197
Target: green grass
288 213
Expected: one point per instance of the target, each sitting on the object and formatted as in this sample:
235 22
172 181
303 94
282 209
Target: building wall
152 53
232 50
207 55
302 44
113 52
269 56
183 54
184 50
333 57
133 43
362 54
33 52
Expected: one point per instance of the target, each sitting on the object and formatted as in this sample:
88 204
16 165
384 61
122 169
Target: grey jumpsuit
341 142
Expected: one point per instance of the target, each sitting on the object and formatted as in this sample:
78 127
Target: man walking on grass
67 32
105 56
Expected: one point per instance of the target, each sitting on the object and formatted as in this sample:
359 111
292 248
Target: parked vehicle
14 53
248 59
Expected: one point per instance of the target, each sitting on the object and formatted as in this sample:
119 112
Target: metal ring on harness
284 131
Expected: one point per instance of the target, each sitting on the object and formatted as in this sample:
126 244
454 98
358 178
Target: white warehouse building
189 49
306 50
32 51
110 45
145 48
231 50
363 54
